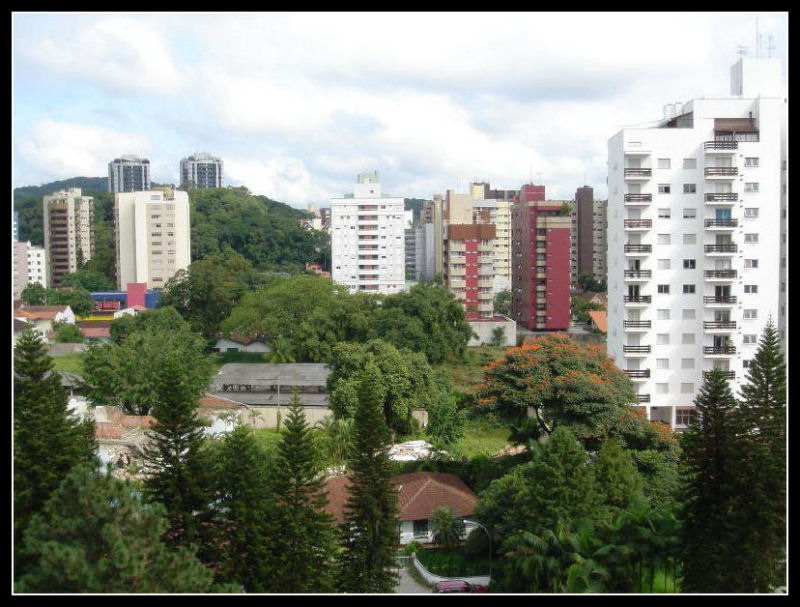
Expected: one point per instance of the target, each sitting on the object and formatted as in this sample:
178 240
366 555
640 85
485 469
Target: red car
458 586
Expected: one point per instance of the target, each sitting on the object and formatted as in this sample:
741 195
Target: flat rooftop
284 374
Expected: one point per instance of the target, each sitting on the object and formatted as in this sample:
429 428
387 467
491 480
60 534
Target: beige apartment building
68 218
152 235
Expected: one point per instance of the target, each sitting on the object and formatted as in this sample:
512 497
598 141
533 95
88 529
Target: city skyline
296 104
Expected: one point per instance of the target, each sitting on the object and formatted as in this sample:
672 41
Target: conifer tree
369 533
174 459
618 480
305 534
710 459
48 440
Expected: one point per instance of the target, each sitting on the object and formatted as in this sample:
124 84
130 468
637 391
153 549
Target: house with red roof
44 317
419 495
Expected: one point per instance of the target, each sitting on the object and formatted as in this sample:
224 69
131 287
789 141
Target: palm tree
447 529
281 351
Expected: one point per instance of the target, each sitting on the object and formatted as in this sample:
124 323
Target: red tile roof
215 402
95 332
420 494
600 318
40 312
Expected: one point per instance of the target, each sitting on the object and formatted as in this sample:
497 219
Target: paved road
408 585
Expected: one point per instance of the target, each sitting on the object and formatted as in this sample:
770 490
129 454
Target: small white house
240 345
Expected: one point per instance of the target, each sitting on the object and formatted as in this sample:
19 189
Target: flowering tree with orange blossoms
563 382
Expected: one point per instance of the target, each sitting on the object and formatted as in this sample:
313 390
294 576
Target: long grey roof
285 374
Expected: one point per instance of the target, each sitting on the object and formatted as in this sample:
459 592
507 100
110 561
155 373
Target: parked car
458 586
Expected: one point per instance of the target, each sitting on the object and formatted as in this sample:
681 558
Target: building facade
694 240
129 174
367 238
588 236
469 271
68 219
152 235
30 266
540 232
202 171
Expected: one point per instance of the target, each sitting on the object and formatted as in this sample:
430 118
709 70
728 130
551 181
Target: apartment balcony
638 249
642 300
720 147
637 275
719 350
719 326
482 271
457 284
637 325
720 300
638 224
643 398
728 374
721 172
721 224
454 247
486 307
457 271
486 248
636 350
721 249
635 199
486 297
638 174
485 283
722 198
637 373
720 275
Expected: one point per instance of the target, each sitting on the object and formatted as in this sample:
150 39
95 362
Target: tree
502 302
68 334
369 533
78 299
618 480
336 439
581 307
164 319
94 535
447 529
281 351
244 512
498 336
446 422
709 459
90 280
48 440
305 539
128 374
34 294
173 456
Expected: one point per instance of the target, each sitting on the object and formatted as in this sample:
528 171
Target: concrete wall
483 580
54 349
484 329
266 416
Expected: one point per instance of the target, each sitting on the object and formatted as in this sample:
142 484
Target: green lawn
69 362
469 372
482 438
266 437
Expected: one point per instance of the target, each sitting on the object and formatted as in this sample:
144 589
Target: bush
412 547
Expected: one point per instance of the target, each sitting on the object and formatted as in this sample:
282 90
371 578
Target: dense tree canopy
162 319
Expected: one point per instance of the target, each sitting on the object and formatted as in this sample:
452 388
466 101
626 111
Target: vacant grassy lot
482 438
267 437
469 372
69 362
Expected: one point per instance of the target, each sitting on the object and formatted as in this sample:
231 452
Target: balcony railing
638 197
721 145
636 349
726 197
720 273
722 223
637 372
719 349
638 273
643 398
721 171
728 374
638 223
638 172
638 248
637 324
721 248
719 324
637 298
720 299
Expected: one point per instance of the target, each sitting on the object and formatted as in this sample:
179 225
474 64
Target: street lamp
489 535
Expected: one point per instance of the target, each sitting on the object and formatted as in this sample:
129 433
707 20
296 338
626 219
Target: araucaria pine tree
762 513
173 457
305 535
710 458
369 533
48 440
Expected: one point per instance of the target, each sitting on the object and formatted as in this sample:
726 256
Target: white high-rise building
68 223
152 235
202 170
696 232
129 174
30 266
367 238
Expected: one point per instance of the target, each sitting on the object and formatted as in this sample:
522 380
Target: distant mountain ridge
88 185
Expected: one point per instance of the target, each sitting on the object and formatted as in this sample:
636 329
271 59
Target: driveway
407 584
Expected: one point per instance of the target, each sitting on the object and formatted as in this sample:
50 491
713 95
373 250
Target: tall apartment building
153 236
367 238
202 170
30 266
469 266
68 219
129 174
540 297
15 227
588 236
432 214
695 239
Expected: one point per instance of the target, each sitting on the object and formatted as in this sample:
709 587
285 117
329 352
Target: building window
662 388
688 289
687 363
663 188
751 288
688 314
664 289
683 417
689 213
690 188
421 528
662 339
751 238
663 314
662 363
751 188
687 388
663 264
689 264
745 364
749 339
687 339
664 163
750 263
751 161
690 163
663 239
750 314
664 214
751 212
690 239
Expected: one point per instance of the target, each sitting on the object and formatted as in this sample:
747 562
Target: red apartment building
469 266
540 257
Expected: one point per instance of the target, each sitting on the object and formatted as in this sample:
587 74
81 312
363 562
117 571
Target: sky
297 104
